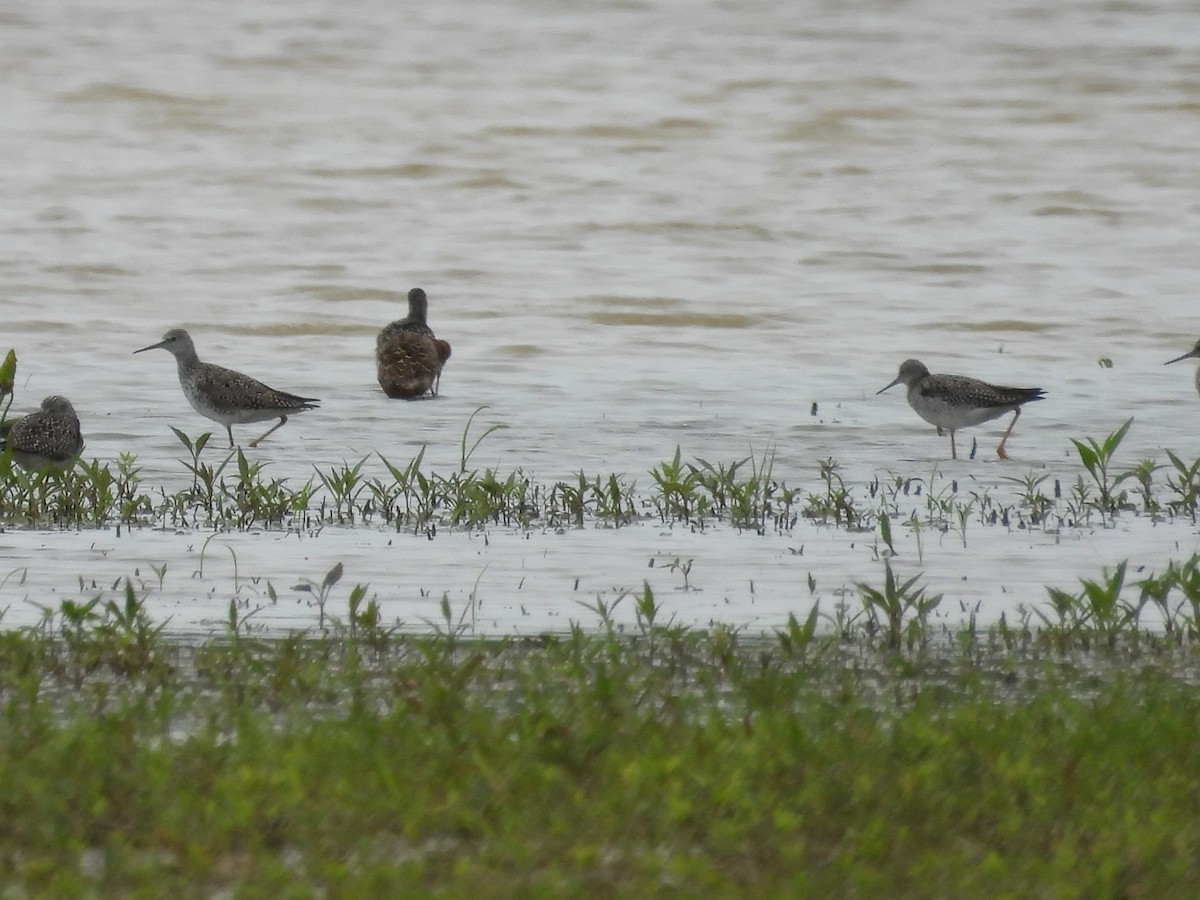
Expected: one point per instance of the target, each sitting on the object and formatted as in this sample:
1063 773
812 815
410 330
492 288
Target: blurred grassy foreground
360 762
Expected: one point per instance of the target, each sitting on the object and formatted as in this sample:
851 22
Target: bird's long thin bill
151 347
1180 358
892 385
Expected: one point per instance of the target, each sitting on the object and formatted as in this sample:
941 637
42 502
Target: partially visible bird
226 396
408 358
956 401
1194 353
47 439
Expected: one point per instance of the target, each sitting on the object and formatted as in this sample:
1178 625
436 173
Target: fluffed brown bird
47 439
408 358
409 364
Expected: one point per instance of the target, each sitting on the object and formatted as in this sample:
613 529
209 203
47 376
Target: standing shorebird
1194 353
956 401
224 395
47 439
408 358
409 365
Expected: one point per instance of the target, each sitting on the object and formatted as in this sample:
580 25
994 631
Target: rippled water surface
641 225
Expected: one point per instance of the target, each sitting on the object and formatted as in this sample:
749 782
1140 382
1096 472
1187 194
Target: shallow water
641 225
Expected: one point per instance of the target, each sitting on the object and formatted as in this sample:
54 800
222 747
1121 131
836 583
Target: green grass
865 751
639 761
229 492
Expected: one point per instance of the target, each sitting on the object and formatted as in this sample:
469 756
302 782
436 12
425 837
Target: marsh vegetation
870 745
230 491
874 755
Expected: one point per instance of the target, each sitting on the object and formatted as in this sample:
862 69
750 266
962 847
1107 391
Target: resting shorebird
47 439
1194 353
224 395
408 365
408 358
956 401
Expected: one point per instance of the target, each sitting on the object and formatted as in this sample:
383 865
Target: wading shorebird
956 401
224 395
1194 353
409 365
408 358
47 439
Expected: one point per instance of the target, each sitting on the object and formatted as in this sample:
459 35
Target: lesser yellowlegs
47 439
224 395
1194 353
408 358
956 401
